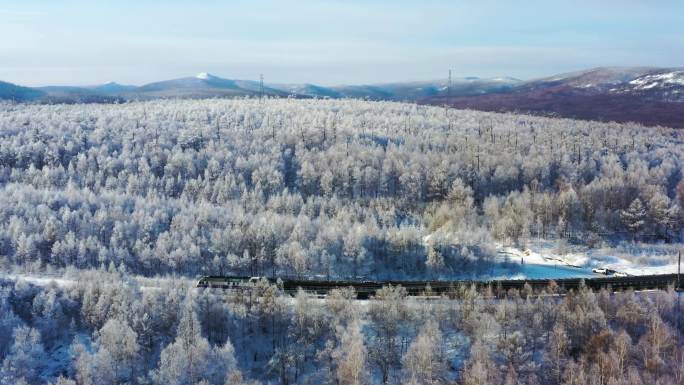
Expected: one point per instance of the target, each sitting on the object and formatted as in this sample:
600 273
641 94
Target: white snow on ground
39 280
545 259
648 270
534 263
539 265
535 271
542 259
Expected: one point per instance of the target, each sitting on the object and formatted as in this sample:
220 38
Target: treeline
106 328
302 187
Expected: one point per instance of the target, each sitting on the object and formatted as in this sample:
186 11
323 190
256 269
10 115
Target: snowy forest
108 328
126 205
302 188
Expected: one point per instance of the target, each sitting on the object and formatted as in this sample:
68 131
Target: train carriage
366 289
220 282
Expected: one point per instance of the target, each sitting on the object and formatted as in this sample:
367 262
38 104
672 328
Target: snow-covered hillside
323 188
663 85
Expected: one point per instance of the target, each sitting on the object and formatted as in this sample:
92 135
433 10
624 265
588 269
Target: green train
366 289
214 281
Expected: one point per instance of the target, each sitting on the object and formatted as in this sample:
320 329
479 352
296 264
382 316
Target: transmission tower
449 89
447 105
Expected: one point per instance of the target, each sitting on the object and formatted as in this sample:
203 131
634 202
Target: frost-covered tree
157 187
350 356
635 215
424 362
389 313
480 369
119 343
173 335
8 322
25 359
190 358
63 381
557 349
662 214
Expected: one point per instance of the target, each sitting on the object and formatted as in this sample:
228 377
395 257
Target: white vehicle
600 270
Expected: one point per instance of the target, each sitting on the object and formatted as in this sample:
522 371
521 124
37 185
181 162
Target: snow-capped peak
662 79
203 75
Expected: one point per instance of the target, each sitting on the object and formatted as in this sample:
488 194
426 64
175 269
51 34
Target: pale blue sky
330 42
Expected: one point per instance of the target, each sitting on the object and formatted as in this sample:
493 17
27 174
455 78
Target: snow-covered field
548 259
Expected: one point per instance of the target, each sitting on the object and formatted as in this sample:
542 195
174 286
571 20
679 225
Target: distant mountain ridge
13 92
648 95
208 85
112 88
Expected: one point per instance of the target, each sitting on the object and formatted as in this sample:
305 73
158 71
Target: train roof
223 279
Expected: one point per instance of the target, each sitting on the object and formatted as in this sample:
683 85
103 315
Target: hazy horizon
329 42
274 81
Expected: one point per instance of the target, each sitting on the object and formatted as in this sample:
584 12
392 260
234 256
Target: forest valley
168 190
301 188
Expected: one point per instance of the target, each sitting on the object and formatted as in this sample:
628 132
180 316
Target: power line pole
677 289
448 104
448 94
261 87
449 90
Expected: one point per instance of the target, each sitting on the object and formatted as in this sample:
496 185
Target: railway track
366 289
